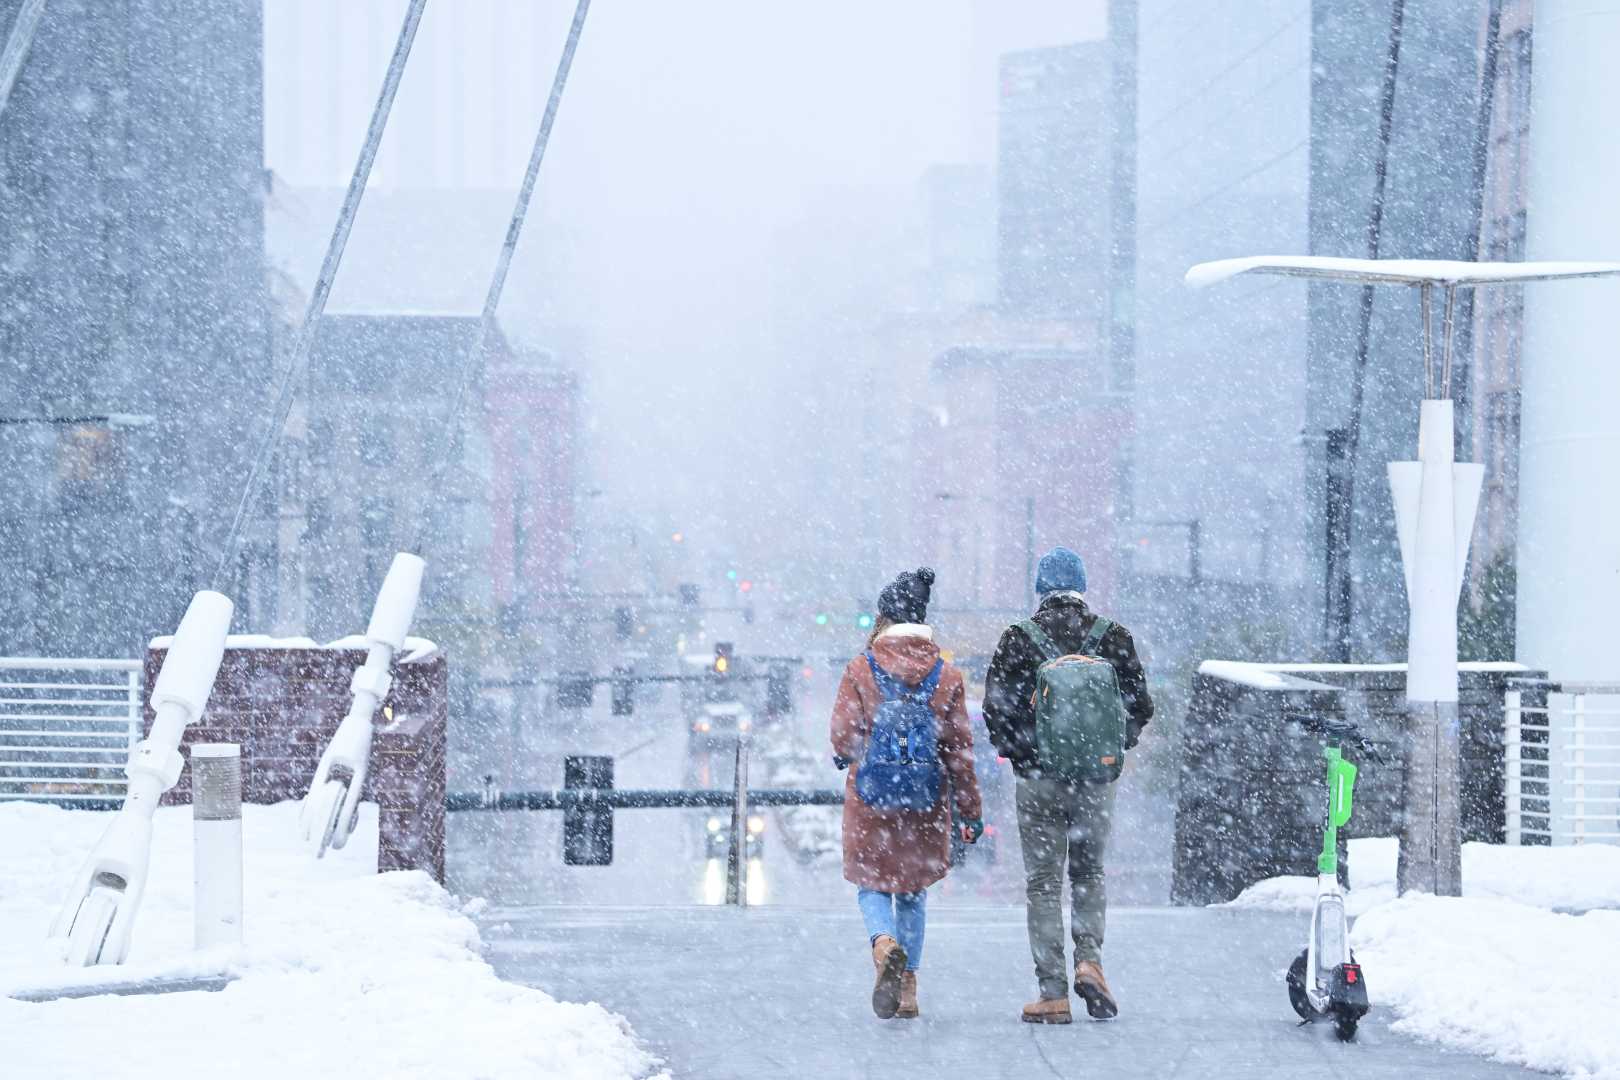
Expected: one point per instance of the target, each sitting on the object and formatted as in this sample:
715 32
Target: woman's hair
880 624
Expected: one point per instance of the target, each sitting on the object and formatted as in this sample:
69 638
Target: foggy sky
694 144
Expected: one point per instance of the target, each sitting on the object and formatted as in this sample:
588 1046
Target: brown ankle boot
1048 1011
1090 984
908 996
890 960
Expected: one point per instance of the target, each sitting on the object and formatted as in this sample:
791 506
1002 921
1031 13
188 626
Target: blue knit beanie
1060 570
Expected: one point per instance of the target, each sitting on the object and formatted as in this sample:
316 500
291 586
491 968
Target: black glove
1133 733
842 762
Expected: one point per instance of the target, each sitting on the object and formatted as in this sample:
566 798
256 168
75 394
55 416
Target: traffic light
624 623
588 832
722 657
575 691
864 621
779 689
624 692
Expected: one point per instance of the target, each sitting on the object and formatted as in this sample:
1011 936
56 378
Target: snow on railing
1562 751
66 728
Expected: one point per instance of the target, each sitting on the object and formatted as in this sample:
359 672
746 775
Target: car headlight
701 725
714 824
743 724
756 824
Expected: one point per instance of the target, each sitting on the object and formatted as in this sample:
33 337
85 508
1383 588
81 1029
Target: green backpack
1079 712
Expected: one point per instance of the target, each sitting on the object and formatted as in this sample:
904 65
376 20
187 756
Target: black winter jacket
1009 687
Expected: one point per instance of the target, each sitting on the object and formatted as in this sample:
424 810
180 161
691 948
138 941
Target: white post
216 820
1435 500
1513 767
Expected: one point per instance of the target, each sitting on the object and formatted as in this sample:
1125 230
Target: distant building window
321 442
318 516
89 463
377 445
376 523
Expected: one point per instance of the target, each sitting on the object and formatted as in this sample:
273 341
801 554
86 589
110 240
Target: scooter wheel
91 926
1296 988
1345 1027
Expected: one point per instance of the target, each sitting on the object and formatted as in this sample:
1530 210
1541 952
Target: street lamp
1029 534
1435 500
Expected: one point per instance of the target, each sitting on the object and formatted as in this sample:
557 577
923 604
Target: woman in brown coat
897 822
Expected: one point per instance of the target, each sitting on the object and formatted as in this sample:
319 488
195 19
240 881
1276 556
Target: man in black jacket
1061 823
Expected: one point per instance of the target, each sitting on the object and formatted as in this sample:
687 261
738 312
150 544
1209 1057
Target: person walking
1062 820
900 726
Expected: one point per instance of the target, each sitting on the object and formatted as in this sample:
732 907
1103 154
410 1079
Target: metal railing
1562 777
66 729
589 800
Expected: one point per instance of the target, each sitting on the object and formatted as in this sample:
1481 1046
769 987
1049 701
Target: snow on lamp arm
98 915
1435 499
329 810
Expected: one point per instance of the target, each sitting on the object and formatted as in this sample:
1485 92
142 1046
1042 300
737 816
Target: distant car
717 836
721 722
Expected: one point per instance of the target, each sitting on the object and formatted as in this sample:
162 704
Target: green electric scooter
1324 981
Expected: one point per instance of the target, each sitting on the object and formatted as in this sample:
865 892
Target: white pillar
1569 488
216 821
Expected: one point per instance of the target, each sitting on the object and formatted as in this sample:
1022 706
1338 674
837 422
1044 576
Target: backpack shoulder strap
926 688
1099 628
885 681
1040 639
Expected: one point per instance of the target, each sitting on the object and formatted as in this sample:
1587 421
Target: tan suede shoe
1090 984
908 997
890 961
1048 1011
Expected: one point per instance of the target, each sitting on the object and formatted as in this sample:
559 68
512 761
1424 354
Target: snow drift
344 972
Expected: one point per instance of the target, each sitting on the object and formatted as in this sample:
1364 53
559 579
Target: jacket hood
906 651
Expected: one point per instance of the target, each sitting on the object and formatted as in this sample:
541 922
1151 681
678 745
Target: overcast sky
694 137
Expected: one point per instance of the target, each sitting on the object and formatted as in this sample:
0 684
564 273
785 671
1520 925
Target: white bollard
216 816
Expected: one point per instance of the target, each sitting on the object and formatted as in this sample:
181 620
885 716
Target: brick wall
282 705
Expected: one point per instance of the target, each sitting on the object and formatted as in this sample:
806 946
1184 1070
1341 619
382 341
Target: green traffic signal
821 619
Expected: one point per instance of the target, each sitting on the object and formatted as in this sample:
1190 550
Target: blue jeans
903 916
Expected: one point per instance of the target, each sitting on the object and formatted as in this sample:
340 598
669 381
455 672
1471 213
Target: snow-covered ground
1520 968
344 972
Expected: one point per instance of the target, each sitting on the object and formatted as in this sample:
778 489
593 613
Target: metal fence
66 728
1563 762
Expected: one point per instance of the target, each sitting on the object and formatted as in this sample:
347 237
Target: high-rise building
1499 313
493 507
1258 133
468 104
1053 177
134 324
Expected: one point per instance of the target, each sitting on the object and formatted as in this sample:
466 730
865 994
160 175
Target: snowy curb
1504 971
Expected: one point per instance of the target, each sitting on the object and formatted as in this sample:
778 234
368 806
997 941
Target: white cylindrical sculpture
97 917
216 822
332 805
1569 487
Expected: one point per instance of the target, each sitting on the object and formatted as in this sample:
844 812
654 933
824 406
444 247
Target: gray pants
1058 822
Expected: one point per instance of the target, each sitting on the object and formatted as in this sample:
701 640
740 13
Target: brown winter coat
902 850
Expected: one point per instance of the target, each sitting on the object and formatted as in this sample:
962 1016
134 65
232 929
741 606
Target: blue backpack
901 770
